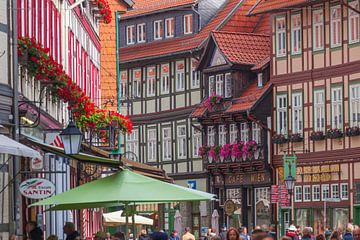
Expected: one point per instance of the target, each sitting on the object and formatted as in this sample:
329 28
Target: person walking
292 233
232 234
244 233
69 230
188 235
223 233
306 234
174 235
348 233
143 235
33 232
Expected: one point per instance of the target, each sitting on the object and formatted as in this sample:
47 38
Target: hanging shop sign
37 188
229 207
37 164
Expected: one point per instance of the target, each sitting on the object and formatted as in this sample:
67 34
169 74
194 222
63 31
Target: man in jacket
69 230
33 232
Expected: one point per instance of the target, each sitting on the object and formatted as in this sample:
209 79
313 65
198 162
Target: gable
217 58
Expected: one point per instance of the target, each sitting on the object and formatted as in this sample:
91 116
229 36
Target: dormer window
130 35
157 30
188 24
260 79
169 27
141 35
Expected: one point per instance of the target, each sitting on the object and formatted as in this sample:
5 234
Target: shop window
262 206
298 194
233 133
280 37
357 193
316 192
222 135
335 191
335 26
353 23
307 193
325 191
296 34
319 220
211 136
234 194
303 217
341 218
344 194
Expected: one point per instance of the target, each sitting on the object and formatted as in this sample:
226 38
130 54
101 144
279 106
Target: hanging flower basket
317 136
104 10
295 137
334 133
353 131
279 139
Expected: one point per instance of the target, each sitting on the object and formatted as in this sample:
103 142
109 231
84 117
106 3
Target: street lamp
71 138
290 184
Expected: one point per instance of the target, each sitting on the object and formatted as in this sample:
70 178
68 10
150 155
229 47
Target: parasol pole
126 222
133 221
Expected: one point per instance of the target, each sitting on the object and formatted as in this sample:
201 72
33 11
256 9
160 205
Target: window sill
318 51
281 58
335 48
354 44
296 55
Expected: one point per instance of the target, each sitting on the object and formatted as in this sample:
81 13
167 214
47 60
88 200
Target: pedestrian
292 233
188 235
244 233
159 236
272 231
143 235
33 232
348 232
306 234
232 234
52 237
223 233
174 235
69 230
356 234
335 236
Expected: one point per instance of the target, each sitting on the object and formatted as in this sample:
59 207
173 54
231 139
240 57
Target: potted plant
317 136
334 133
250 148
214 153
225 152
295 137
237 150
204 151
279 139
353 131
212 101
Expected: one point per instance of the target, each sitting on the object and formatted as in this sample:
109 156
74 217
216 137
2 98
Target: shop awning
12 147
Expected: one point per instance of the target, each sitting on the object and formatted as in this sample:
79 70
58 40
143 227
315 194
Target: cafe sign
37 188
229 207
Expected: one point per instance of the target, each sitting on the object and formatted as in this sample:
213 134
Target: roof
141 7
251 95
243 48
229 11
263 6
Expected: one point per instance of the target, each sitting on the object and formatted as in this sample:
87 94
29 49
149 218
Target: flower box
214 154
295 137
237 151
250 149
353 131
279 139
212 101
317 136
204 151
334 133
225 152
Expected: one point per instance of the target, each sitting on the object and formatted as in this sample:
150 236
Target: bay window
355 105
181 141
180 76
222 135
167 146
281 113
211 136
318 29
335 26
219 84
152 145
319 110
150 81
353 23
280 36
165 78
296 34
336 108
297 113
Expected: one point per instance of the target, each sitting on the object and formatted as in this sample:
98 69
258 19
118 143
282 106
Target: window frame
314 25
313 193
222 133
136 86
297 110
244 131
141 32
306 187
340 120
166 78
323 187
280 41
355 16
178 73
133 140
322 106
296 34
256 132
151 81
196 142
195 75
133 35
169 22
233 132
166 141
297 193
228 85
181 142
188 22
211 136
284 110
157 32
332 191
353 100
219 84
341 191
211 85
151 145
338 22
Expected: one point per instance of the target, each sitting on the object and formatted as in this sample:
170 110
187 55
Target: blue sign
191 184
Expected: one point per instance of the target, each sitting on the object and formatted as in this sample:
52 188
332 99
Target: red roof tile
199 111
148 6
243 48
177 45
270 5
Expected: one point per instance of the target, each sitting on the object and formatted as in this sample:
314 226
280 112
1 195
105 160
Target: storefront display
303 217
340 218
262 206
319 220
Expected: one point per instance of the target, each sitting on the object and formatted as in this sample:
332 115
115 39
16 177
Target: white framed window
316 193
233 133
335 26
195 75
260 79
180 76
296 34
307 193
222 135
123 79
188 24
167 146
335 191
280 36
211 85
297 116
136 83
281 112
228 85
344 194
244 132
197 142
353 20
181 141
132 143
354 105
325 191
219 84
336 108
256 133
298 194
152 145
211 136
141 34
319 110
150 78
169 27
165 78
158 30
318 29
130 35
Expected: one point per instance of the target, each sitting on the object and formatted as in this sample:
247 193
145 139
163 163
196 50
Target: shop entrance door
356 219
285 220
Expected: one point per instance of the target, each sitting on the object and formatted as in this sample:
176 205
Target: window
141 34
307 194
136 83
298 194
181 141
335 191
281 114
260 80
180 76
130 34
132 143
233 133
219 84
256 132
211 85
157 30
354 23
228 92
195 75
318 30
344 191
211 136
197 142
296 34
336 108
319 110
151 145
244 132
165 78
280 37
316 192
188 24
169 27
123 78
335 26
166 134
151 81
354 105
222 135
325 192
297 113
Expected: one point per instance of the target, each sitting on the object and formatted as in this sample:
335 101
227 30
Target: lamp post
71 137
290 184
